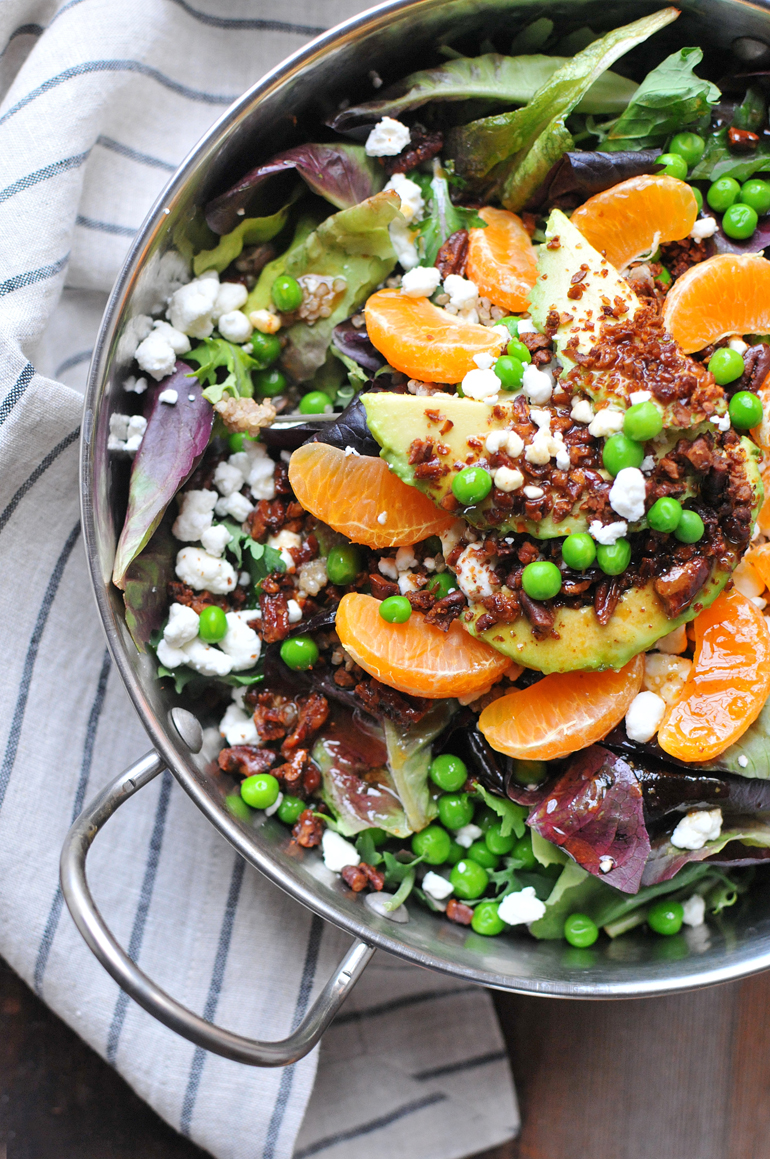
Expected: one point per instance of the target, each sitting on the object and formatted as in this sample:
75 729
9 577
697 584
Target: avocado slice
637 622
568 264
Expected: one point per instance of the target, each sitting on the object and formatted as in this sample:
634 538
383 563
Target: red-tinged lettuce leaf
722 244
595 811
341 173
144 595
360 794
666 859
354 342
576 176
175 438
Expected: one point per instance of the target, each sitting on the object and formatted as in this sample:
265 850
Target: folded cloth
100 102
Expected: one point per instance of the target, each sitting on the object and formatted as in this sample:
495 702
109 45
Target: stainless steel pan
279 111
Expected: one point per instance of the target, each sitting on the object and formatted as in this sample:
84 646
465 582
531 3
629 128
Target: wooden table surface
661 1078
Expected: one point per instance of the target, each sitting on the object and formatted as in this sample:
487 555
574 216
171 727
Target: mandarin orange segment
360 497
562 713
637 216
727 294
728 683
424 341
501 259
416 657
758 559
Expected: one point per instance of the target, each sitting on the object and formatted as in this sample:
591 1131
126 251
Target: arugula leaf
573 892
505 879
511 814
668 99
505 140
261 560
752 112
367 850
443 218
396 869
250 231
508 80
214 353
402 893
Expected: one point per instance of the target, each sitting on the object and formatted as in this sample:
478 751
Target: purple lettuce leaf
145 595
341 173
595 811
355 343
359 792
576 176
723 244
175 438
666 859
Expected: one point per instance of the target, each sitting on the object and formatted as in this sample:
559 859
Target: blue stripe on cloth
287 1075
44 174
142 910
23 30
96 66
73 360
17 721
373 1125
104 226
30 277
235 23
466 1064
51 925
39 470
16 392
135 155
212 998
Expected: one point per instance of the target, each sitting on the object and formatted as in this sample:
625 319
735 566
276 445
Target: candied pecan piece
274 715
179 593
421 601
312 713
741 140
291 773
343 679
679 586
446 610
453 255
458 912
355 877
423 145
606 598
699 454
382 588
311 779
380 700
244 760
375 876
275 617
541 618
308 829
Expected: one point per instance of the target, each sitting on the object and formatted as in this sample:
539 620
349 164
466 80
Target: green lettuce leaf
250 231
482 145
753 747
409 756
527 177
214 353
668 99
666 859
718 161
511 815
573 892
442 218
260 296
508 80
360 797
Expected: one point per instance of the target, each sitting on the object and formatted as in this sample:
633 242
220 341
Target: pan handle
144 991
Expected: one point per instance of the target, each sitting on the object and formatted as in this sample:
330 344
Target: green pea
689 146
483 855
260 791
442 584
471 485
315 402
448 772
541 580
643 421
674 165
756 193
286 293
517 349
578 551
664 276
486 920
740 221
378 836
455 810
620 451
665 917
238 442
265 348
524 853
726 365
469 879
496 843
529 772
664 515
290 809
299 653
236 805
395 609
511 323
745 410
455 854
614 558
432 844
510 371
722 193
486 818
580 931
343 564
269 383
690 528
212 624
698 197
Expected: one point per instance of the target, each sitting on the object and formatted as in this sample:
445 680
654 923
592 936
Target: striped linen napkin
100 102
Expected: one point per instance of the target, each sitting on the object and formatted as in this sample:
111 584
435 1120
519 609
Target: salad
445 459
